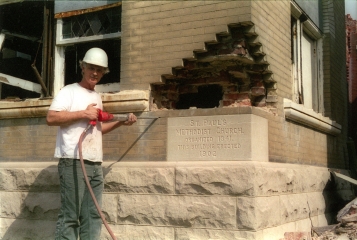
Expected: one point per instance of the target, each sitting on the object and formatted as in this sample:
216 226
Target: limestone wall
182 200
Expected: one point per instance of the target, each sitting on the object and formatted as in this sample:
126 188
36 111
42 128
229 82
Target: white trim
308 117
59 69
309 26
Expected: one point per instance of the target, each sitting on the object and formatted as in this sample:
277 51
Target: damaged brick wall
232 66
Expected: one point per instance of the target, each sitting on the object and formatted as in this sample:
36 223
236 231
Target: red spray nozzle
102 117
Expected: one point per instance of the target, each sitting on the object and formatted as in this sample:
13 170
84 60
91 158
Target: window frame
60 41
59 56
304 25
293 110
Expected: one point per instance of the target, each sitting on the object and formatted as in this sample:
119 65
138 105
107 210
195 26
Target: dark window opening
20 68
22 25
207 96
75 53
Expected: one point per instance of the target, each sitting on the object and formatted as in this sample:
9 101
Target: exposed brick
258 91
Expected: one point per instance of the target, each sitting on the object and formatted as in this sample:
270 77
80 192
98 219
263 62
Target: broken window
80 30
26 49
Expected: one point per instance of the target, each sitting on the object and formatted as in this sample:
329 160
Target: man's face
91 75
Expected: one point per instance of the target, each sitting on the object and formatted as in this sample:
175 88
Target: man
72 109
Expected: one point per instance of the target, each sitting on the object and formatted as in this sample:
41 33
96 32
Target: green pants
78 216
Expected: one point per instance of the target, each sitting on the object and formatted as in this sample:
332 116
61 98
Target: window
77 32
306 106
25 68
33 65
306 53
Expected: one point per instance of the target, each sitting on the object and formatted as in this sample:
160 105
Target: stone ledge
308 117
125 101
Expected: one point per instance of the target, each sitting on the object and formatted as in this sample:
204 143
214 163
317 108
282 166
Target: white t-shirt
72 98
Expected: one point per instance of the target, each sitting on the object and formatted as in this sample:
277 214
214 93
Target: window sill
125 101
307 117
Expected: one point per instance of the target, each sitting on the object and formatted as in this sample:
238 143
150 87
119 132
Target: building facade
242 110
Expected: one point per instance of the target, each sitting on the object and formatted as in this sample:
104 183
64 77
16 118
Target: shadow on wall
30 203
337 193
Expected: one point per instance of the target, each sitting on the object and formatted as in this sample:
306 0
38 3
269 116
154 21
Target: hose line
88 184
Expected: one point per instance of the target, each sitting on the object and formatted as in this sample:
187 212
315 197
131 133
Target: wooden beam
21 83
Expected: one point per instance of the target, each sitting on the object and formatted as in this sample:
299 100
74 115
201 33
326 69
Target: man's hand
110 126
131 120
91 112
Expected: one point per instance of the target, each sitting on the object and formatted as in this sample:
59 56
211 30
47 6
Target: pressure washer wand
105 117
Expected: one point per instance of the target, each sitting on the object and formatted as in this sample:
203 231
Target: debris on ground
346 229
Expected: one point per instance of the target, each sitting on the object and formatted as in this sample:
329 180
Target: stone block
211 234
316 203
140 180
11 204
110 207
220 137
130 232
32 205
313 179
11 229
234 181
258 213
32 179
293 207
183 211
290 179
275 181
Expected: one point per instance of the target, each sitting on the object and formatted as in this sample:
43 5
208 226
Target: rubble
346 229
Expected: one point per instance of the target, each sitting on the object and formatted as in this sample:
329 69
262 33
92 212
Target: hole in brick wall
230 71
207 96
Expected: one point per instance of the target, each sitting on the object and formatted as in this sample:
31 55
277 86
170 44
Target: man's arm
63 118
110 126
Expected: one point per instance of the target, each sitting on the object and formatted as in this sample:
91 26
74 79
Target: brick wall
335 84
157 35
147 196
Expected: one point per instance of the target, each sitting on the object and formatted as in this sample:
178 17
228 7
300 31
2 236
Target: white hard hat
96 56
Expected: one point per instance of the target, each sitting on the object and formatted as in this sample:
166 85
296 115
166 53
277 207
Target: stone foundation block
215 181
283 179
11 229
183 211
257 213
110 207
293 207
30 205
187 233
140 180
32 179
129 232
316 203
